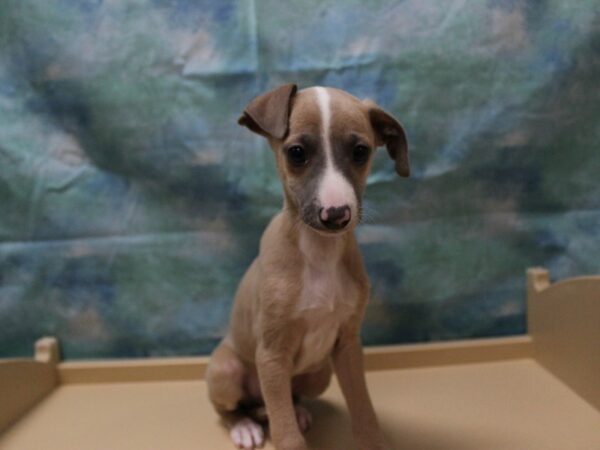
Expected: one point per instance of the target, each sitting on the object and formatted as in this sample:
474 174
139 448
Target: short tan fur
299 307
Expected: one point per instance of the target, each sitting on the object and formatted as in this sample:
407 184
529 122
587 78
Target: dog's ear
269 113
389 132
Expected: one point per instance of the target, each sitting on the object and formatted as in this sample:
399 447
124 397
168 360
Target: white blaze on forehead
334 189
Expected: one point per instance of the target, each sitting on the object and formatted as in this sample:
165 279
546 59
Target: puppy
299 307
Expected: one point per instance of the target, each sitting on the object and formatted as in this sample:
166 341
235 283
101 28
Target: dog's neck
319 250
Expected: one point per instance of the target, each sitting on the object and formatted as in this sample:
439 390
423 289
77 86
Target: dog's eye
360 154
297 156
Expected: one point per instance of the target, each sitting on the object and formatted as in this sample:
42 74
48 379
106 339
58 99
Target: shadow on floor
400 433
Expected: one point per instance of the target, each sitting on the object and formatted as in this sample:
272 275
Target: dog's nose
335 218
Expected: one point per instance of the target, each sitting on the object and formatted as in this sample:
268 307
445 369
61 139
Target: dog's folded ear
389 132
269 113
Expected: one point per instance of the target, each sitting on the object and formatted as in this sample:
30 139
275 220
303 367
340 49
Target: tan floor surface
513 405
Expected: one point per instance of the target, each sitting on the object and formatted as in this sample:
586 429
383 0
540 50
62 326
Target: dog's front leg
349 368
275 373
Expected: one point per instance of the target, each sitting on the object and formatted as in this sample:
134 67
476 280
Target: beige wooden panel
511 405
23 383
564 323
376 358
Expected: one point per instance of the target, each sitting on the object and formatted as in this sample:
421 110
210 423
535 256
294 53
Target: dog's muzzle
335 218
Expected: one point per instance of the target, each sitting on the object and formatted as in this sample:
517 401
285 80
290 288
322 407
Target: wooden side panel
376 358
23 383
132 370
564 323
447 353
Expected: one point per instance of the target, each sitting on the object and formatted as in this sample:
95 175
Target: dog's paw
247 434
303 417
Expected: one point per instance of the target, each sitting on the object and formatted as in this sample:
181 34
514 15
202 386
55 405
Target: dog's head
324 139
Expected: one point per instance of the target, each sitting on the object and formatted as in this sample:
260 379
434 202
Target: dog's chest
328 298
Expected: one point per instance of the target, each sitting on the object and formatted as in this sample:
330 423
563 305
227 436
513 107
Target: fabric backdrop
131 202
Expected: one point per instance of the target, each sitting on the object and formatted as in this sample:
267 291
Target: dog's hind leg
225 377
312 384
309 385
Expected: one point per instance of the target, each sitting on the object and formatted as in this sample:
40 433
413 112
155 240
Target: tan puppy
299 307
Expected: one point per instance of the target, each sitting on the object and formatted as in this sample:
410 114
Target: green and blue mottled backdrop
131 202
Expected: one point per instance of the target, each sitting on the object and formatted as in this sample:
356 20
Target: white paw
247 434
303 417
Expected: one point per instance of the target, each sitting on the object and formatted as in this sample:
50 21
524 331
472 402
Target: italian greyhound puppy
299 307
